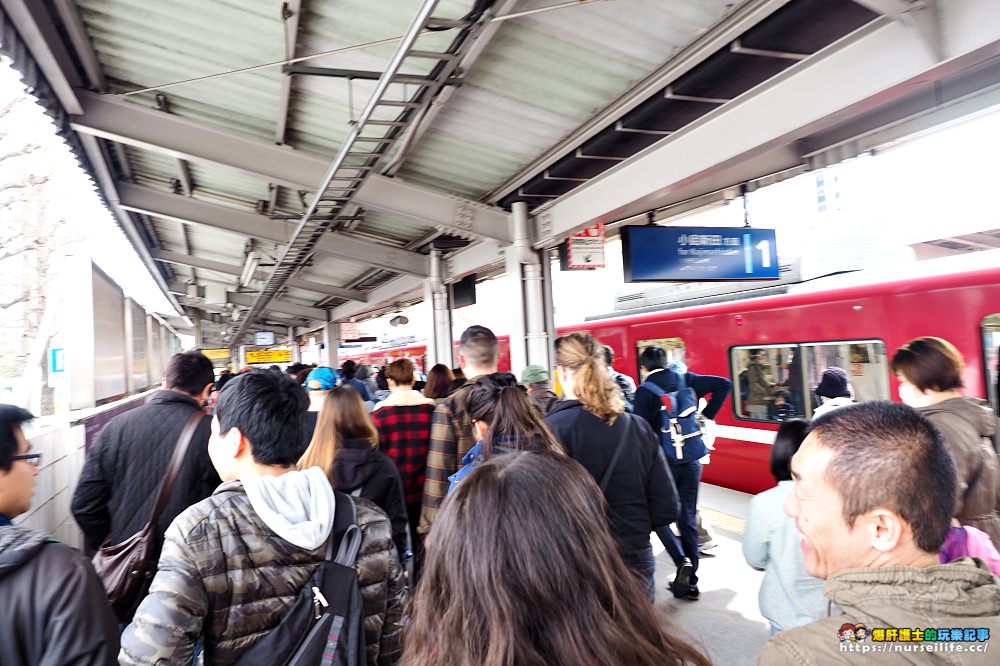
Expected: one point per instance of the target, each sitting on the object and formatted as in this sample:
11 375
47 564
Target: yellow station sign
269 356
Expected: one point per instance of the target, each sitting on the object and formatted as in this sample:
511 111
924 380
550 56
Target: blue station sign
698 254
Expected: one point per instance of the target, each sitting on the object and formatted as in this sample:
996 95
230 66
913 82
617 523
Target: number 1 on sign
765 253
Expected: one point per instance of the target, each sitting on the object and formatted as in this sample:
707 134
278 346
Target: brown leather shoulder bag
126 569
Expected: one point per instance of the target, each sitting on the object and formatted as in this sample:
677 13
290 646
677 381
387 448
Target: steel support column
440 350
293 343
331 342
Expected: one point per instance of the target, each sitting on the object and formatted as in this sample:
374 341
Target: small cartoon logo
861 632
846 633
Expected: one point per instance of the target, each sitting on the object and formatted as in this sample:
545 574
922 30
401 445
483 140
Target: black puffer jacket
126 465
55 613
358 465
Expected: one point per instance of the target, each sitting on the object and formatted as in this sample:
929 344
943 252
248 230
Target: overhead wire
473 15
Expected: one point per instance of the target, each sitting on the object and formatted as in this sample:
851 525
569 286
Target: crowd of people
497 521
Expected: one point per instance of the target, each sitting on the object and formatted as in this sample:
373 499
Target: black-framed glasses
33 459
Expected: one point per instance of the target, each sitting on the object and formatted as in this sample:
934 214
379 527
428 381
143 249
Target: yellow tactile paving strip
723 521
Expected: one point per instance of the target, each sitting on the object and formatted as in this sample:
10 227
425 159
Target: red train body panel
949 306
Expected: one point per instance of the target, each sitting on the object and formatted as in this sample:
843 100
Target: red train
833 321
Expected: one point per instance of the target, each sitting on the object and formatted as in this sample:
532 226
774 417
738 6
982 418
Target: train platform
728 604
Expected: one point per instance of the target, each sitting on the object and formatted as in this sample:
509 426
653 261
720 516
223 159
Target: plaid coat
451 439
404 433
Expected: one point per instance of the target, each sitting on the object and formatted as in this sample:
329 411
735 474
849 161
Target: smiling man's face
828 544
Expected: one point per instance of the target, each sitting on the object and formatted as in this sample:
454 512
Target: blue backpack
680 433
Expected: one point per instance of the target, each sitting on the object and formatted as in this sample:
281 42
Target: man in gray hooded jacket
874 488
54 607
232 564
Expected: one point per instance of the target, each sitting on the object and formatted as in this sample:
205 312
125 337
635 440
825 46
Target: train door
673 346
991 360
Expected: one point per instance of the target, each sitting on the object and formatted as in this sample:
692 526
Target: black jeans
687 478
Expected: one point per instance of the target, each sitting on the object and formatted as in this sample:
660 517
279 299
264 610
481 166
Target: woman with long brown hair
521 569
505 419
439 380
620 451
344 447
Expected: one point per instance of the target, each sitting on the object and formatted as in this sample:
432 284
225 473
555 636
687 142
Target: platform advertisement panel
698 254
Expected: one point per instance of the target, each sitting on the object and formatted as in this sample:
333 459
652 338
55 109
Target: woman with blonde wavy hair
619 450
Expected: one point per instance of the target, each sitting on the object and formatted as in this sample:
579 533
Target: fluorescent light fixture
249 268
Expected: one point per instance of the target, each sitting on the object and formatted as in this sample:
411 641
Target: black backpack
325 625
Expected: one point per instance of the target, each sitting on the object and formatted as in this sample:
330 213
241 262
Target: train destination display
698 254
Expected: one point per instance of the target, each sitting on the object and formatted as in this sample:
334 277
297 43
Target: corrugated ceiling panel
389 227
142 44
541 77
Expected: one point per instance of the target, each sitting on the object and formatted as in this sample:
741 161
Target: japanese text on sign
269 356
586 249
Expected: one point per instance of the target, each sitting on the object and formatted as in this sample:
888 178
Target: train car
854 321
842 321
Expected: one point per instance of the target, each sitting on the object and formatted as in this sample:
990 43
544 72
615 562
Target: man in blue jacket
686 471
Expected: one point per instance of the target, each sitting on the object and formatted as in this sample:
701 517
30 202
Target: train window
767 382
673 346
865 361
991 357
775 382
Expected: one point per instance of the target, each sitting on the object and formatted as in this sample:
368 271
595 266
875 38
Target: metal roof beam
745 16
286 307
229 269
149 201
887 61
385 294
35 27
142 127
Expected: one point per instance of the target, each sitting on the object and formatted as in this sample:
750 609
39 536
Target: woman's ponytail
592 383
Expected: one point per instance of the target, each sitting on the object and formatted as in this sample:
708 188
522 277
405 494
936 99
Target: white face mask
912 397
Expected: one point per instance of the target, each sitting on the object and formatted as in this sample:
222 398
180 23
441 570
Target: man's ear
460 359
234 443
885 528
205 392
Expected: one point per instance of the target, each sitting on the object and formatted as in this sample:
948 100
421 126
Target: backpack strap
345 535
622 443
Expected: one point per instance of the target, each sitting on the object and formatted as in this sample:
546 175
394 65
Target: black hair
381 380
190 372
10 417
609 355
887 455
269 409
349 368
786 442
653 358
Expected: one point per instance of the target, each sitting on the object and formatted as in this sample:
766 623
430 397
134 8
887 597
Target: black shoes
681 587
693 592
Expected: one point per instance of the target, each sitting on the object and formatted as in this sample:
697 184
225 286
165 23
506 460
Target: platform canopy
281 164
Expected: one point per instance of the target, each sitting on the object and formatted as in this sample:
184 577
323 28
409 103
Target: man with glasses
55 607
